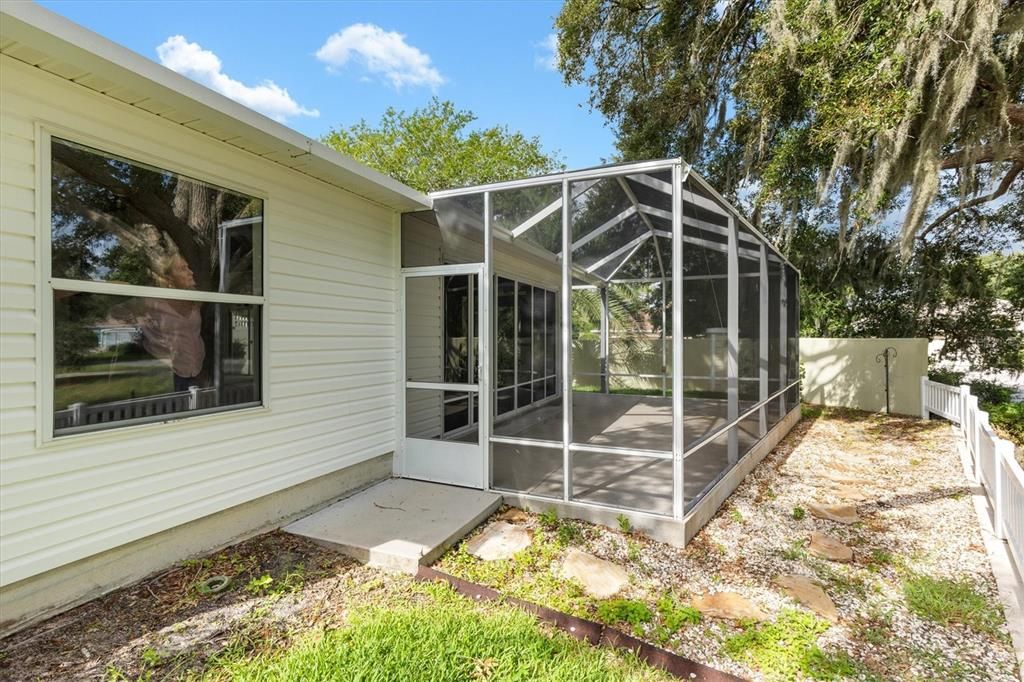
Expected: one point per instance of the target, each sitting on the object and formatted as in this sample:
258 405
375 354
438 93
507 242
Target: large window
157 289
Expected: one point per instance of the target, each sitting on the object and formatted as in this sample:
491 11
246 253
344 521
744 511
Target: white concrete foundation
399 524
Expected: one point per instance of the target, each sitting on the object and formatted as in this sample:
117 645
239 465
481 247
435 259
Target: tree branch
986 154
999 191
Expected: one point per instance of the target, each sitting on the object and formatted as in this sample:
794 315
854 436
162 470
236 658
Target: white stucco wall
845 373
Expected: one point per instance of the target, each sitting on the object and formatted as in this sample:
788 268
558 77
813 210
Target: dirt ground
166 627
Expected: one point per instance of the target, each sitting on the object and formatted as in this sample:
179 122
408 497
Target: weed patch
787 649
629 611
950 601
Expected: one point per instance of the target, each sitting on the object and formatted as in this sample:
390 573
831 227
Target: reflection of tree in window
122 222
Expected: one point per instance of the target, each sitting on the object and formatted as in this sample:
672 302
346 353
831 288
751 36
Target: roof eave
40 37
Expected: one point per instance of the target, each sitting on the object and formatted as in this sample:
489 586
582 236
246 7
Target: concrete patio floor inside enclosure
519 295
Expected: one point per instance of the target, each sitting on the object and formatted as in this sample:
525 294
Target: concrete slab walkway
398 524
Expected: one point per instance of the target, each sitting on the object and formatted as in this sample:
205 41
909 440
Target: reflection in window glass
116 220
457 310
120 359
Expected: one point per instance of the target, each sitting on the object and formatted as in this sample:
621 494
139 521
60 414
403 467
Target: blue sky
318 65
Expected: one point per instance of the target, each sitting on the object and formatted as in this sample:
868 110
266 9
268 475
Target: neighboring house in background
112 334
306 326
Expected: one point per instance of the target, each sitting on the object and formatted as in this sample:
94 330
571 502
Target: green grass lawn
446 637
103 387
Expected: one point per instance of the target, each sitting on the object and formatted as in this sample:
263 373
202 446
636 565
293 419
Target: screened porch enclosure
626 339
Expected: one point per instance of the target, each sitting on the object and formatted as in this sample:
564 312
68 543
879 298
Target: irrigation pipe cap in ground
214 585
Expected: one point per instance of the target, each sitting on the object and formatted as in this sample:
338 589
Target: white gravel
917 519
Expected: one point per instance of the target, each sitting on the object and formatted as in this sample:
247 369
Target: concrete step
398 524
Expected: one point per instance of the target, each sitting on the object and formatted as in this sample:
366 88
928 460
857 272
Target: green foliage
795 551
991 392
943 289
291 581
673 616
260 584
150 657
630 611
828 123
434 148
945 376
568 532
1008 421
787 649
948 601
444 638
549 518
633 550
625 525
856 105
798 513
529 574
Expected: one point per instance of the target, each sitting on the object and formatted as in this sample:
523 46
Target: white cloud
190 59
548 58
382 52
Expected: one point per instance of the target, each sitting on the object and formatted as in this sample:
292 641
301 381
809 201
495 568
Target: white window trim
46 284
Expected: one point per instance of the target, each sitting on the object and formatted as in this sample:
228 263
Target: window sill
55 442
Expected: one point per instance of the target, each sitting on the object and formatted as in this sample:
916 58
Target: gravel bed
917 519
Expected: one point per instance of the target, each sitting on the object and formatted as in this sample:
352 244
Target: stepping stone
729 605
840 513
600 579
514 515
810 594
849 492
827 547
844 479
843 465
499 541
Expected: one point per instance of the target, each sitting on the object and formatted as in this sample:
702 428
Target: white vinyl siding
330 354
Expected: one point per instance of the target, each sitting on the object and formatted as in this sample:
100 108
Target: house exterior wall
846 373
329 359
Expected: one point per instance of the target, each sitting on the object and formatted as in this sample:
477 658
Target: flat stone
514 515
810 594
843 479
498 541
827 547
600 579
849 492
729 605
840 513
843 465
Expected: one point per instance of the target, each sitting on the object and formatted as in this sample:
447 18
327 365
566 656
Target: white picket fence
992 459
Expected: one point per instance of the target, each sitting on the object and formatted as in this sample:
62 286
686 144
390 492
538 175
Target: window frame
46 284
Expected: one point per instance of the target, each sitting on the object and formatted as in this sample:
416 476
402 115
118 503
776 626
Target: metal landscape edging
594 633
